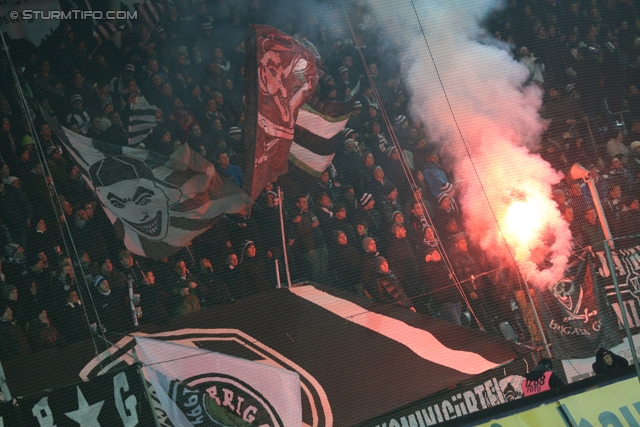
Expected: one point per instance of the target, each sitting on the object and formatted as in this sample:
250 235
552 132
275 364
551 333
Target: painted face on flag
283 75
140 204
128 188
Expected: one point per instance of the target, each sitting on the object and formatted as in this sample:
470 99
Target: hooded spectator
607 361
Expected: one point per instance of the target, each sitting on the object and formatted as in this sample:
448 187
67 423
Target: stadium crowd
361 227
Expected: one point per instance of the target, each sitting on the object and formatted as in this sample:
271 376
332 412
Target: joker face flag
157 204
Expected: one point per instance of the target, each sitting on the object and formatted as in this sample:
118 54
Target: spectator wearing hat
370 216
388 288
356 121
341 221
390 205
541 379
96 98
78 116
607 362
446 211
118 84
344 82
401 128
106 108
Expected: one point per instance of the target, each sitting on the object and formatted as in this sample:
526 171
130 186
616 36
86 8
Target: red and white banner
280 77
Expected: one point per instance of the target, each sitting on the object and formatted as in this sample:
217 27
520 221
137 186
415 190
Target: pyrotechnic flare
471 97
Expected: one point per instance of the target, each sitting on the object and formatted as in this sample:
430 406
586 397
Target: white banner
254 392
29 19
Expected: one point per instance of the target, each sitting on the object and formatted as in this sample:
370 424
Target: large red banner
280 76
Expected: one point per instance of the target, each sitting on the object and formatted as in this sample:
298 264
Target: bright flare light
522 224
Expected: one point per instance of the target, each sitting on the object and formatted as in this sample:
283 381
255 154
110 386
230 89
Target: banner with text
484 391
575 312
627 268
114 399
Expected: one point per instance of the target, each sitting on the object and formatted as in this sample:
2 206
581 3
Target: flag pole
284 239
278 275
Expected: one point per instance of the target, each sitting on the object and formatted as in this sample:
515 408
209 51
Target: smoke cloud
487 123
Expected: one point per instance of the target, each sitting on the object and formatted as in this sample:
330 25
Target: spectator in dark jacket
387 287
13 341
112 306
15 212
607 361
255 277
344 263
309 238
72 320
541 378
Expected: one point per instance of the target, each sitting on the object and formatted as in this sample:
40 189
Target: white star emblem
86 415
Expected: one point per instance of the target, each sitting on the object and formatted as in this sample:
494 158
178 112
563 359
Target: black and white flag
104 32
142 120
149 13
157 204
